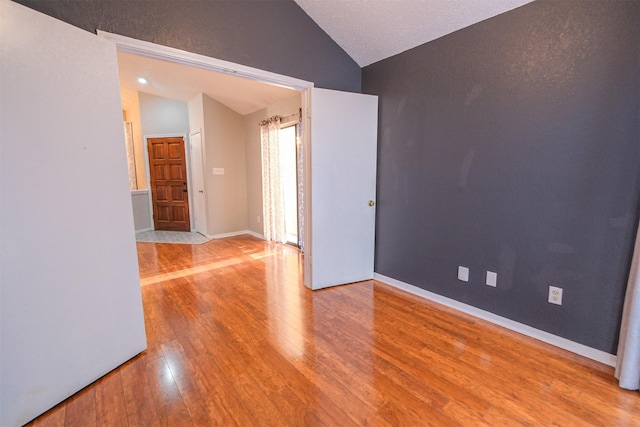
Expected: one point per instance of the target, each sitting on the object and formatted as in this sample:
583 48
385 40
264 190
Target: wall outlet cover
463 273
492 279
555 295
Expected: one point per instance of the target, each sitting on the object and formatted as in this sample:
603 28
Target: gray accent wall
276 36
513 146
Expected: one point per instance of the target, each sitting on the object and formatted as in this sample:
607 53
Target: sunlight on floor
188 272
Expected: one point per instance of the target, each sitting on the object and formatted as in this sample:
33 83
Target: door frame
204 184
170 54
294 124
187 154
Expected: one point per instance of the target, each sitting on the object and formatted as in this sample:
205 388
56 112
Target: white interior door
197 183
71 303
342 167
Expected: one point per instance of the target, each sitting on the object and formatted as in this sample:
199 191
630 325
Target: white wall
71 307
141 210
224 148
254 156
161 116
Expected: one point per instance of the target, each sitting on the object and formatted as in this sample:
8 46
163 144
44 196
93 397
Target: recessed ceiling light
142 80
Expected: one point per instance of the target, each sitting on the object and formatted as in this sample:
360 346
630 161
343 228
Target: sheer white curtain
628 363
131 162
272 195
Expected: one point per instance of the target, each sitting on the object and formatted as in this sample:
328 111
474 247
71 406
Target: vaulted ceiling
368 30
372 30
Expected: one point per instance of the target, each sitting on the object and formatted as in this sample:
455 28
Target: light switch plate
218 171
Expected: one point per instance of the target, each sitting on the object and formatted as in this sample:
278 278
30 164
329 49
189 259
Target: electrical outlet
463 273
258 219
555 295
492 279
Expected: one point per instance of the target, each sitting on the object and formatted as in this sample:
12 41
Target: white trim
139 192
152 50
307 262
546 337
147 171
232 234
142 230
254 234
192 217
178 56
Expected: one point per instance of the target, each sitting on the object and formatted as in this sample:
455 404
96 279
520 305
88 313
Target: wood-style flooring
234 338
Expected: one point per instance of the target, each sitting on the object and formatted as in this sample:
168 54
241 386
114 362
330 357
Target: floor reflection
234 338
283 286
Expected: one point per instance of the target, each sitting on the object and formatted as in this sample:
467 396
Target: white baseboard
236 233
224 235
254 234
142 230
546 337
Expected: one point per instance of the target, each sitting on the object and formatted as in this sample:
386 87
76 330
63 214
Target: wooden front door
168 173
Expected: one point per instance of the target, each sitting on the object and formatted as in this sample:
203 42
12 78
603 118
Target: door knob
372 203
200 191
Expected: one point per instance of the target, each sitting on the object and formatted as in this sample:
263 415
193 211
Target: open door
342 168
197 181
71 301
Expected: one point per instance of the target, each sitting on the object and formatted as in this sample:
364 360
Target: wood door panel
175 151
179 213
163 213
160 172
176 173
177 193
158 152
168 170
162 193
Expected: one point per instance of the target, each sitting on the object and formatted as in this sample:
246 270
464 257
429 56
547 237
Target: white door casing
342 168
327 270
197 183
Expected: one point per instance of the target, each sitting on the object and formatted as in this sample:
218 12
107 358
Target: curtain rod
267 121
297 113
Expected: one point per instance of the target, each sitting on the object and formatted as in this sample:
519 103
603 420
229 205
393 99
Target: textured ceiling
372 30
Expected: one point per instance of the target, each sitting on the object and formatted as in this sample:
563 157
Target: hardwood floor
234 338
